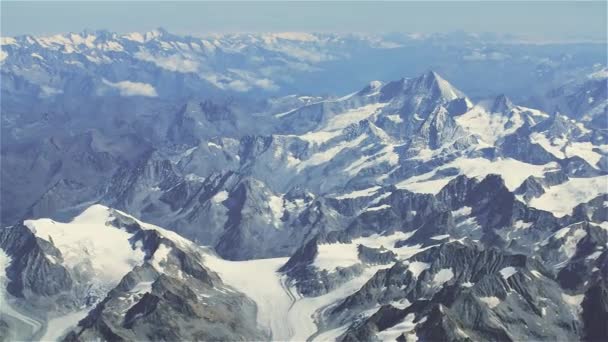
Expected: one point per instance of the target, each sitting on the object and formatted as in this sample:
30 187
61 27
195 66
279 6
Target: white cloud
239 80
172 63
249 80
266 83
476 55
128 88
239 85
295 36
46 91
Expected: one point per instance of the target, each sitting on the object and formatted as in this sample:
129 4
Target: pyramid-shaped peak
559 125
431 74
432 82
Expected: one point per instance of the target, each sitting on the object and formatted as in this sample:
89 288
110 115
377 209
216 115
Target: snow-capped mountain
414 134
401 209
118 277
583 98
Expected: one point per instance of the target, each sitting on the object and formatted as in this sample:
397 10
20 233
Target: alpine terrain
257 187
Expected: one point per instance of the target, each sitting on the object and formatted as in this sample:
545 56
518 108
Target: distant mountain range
159 63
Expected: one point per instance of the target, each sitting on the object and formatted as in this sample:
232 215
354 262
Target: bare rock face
31 274
483 288
189 310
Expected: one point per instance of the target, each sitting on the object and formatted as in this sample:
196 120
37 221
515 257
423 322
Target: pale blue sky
539 19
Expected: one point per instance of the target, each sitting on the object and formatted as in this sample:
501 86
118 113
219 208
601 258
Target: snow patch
424 187
461 212
319 138
275 203
220 197
396 118
444 275
404 327
522 225
569 246
561 233
212 144
359 193
594 255
416 267
380 207
507 272
402 304
492 302
574 301
160 258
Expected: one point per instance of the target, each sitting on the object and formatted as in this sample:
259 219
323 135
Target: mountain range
154 178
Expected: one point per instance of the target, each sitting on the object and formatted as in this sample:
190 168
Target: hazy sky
539 19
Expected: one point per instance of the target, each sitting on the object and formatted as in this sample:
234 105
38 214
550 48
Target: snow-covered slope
90 243
561 199
112 264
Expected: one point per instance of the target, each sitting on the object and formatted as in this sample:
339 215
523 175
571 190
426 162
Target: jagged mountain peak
502 104
432 81
428 89
559 125
119 274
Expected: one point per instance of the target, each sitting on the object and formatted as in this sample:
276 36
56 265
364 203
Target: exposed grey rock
31 274
476 303
190 309
373 256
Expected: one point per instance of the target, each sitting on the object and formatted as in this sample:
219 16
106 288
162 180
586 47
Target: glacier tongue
260 280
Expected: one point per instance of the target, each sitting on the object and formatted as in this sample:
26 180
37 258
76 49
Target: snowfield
90 240
352 116
513 172
561 199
